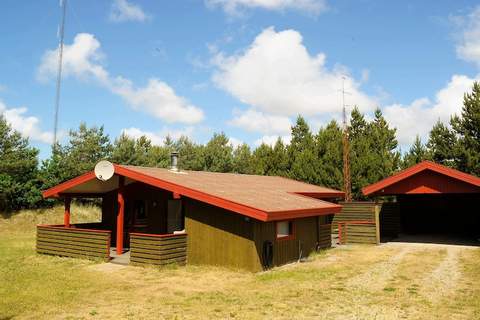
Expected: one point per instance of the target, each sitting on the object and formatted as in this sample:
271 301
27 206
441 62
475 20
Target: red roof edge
54 191
194 194
425 165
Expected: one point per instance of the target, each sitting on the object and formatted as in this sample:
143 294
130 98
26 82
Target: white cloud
28 126
234 142
83 60
276 74
158 138
122 10
160 100
236 7
420 116
256 121
468 46
272 139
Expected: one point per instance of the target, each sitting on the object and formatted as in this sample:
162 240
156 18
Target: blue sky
245 67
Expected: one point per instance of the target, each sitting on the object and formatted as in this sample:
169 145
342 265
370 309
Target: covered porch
139 224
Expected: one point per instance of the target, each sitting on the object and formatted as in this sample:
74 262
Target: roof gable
425 178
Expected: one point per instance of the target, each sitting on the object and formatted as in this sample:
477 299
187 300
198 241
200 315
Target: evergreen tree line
311 157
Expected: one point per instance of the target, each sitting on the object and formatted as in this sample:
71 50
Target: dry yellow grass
357 282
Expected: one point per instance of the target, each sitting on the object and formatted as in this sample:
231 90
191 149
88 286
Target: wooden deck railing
158 249
73 242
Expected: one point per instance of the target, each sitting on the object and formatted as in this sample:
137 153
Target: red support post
120 215
66 215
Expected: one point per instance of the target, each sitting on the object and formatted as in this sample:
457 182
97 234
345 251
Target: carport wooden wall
389 219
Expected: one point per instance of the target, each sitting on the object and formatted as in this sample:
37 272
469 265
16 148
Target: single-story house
160 216
430 199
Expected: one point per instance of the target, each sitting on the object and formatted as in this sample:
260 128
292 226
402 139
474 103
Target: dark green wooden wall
151 249
308 233
218 237
221 237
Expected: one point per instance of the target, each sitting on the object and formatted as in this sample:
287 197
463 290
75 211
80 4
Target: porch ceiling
92 187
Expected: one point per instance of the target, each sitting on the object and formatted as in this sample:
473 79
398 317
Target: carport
431 200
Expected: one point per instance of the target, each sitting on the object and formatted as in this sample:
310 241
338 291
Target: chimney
174 161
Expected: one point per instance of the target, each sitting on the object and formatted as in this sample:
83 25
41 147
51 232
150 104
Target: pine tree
329 152
362 157
416 154
279 159
383 146
262 160
218 154
85 148
441 145
242 159
301 154
467 127
190 154
19 186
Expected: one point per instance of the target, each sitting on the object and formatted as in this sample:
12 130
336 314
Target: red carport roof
417 169
264 198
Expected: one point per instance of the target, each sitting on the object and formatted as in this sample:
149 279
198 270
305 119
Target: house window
285 230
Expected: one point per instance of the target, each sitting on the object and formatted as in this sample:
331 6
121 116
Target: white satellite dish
104 170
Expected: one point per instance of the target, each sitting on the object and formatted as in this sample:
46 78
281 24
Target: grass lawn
392 281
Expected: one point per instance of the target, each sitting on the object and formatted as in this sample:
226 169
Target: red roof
264 198
425 177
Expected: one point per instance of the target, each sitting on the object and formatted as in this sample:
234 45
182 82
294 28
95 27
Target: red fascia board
55 191
425 165
303 213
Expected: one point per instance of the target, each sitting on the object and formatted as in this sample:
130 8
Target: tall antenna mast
347 183
63 3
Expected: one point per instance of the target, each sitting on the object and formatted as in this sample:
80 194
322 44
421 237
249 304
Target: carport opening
432 218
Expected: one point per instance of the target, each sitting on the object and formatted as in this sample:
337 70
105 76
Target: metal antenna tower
63 3
347 183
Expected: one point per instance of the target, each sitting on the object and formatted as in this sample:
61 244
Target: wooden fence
158 249
357 223
366 222
73 242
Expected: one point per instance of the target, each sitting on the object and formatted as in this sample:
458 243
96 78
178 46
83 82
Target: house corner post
120 214
66 214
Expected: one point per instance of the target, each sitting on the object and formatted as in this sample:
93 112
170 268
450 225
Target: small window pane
284 229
